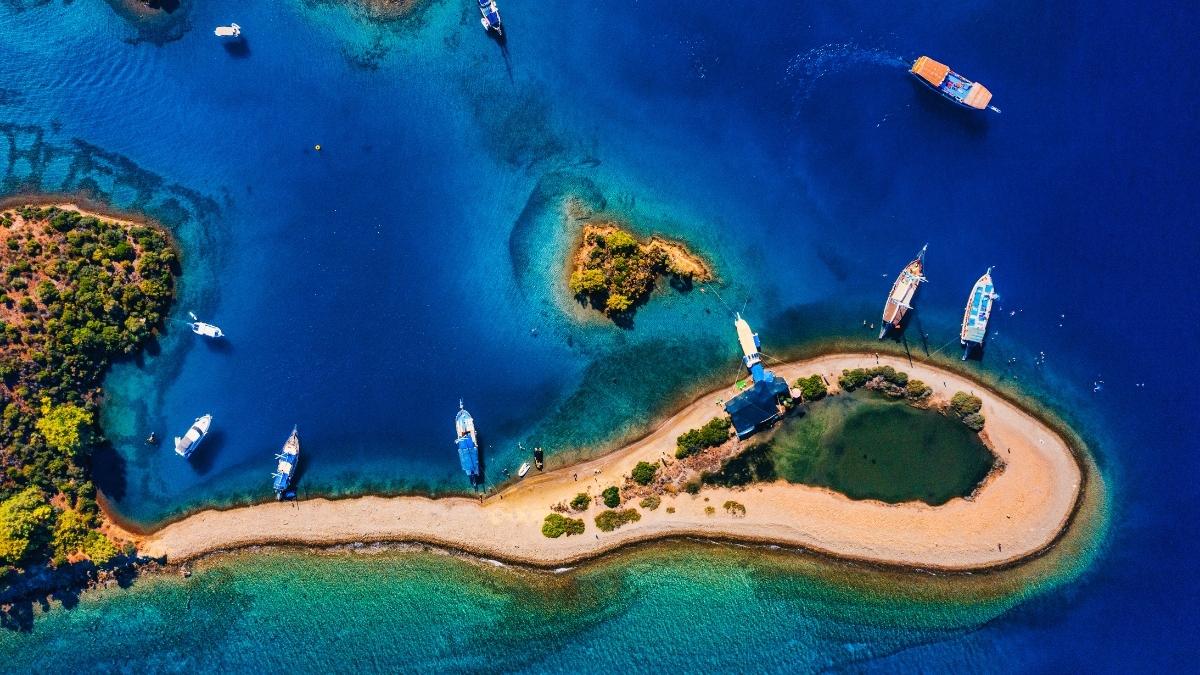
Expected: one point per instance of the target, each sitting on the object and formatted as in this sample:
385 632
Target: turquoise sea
417 259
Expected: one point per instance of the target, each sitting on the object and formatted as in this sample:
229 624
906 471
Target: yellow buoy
317 147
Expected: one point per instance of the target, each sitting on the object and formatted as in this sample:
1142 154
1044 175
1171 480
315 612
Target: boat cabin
950 84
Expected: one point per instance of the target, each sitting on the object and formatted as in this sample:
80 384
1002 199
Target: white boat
205 329
232 30
491 16
185 445
523 470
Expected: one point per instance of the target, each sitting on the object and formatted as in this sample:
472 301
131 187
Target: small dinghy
232 30
205 329
523 470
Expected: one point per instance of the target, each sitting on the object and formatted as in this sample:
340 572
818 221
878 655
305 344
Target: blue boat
977 313
468 445
286 469
491 16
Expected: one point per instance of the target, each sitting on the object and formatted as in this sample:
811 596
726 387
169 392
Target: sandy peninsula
1018 512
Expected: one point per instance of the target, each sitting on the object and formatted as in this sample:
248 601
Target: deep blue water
367 287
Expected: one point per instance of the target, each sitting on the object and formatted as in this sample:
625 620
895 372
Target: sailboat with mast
285 471
977 313
900 300
467 444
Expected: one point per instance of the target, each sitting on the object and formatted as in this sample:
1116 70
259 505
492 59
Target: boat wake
807 69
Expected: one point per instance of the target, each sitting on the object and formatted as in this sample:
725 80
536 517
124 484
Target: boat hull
285 470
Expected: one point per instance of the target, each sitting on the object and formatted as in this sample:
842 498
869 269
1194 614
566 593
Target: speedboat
185 445
207 330
491 16
523 470
232 30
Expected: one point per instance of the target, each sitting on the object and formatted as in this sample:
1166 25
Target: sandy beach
1018 512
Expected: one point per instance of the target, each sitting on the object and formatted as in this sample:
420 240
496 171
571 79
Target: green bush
963 404
735 508
644 472
580 501
650 503
854 378
617 303
692 487
917 390
713 433
586 282
709 510
621 242
974 421
812 388
611 497
610 520
556 525
25 520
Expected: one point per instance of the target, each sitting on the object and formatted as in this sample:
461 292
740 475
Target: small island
80 291
614 272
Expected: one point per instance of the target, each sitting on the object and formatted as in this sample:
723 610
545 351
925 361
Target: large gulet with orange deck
900 300
951 85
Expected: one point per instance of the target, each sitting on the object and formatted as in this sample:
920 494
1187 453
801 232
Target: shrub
735 508
64 426
857 377
617 303
670 509
644 472
610 520
581 501
650 503
586 282
713 433
556 525
963 404
24 524
853 379
692 487
621 242
708 510
974 421
812 388
611 497
917 390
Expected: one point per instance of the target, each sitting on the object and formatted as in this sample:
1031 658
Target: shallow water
367 287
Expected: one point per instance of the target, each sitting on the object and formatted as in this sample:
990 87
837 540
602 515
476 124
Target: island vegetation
612 519
643 473
611 497
556 525
614 272
80 291
714 433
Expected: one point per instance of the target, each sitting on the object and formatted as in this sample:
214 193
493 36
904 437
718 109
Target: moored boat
467 444
491 16
539 459
899 301
960 90
523 470
977 313
232 30
207 330
185 445
285 470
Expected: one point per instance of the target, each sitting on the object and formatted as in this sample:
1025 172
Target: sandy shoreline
1017 513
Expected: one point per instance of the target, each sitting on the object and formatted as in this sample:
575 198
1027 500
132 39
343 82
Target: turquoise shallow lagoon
416 259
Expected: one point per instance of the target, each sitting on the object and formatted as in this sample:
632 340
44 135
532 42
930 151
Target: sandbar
1018 512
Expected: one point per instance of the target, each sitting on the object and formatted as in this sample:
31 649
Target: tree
611 496
581 501
812 388
25 519
610 520
917 390
617 303
644 472
586 282
64 426
963 404
621 242
556 525
974 421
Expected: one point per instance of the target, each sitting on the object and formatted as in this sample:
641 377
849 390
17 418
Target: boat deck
979 310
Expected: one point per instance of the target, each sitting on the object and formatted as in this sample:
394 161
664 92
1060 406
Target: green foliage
644 472
670 509
556 525
713 433
735 508
64 427
812 388
917 390
611 519
709 510
617 303
692 487
854 378
587 282
963 404
974 421
580 501
611 497
25 520
650 503
620 242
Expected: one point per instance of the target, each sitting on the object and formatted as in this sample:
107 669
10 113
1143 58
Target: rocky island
615 272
